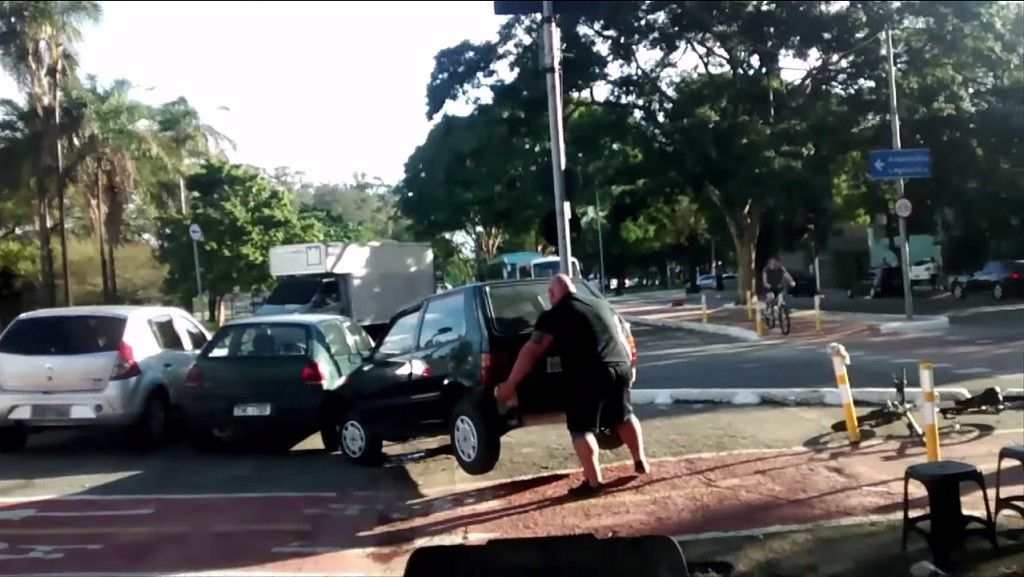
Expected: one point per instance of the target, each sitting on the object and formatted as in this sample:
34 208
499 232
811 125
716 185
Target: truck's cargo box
379 277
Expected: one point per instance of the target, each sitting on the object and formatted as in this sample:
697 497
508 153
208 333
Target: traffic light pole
894 119
552 69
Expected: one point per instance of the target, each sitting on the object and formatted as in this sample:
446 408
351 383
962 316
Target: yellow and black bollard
817 313
928 410
750 307
703 308
840 359
758 325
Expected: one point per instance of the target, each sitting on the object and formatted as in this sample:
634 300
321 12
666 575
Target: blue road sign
904 163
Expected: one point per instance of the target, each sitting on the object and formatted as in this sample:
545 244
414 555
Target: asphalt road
979 350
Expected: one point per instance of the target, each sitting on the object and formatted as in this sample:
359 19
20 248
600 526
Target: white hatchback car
93 366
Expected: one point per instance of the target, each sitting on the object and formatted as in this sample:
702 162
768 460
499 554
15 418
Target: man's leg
585 446
631 434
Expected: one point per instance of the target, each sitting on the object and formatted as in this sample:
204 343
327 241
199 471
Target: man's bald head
560 286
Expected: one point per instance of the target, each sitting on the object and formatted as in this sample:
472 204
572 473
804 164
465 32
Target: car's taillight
125 366
1015 275
194 378
313 374
487 372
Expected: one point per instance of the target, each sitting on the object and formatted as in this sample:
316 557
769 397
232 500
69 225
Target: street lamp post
894 119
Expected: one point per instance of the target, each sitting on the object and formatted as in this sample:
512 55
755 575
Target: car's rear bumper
119 403
219 413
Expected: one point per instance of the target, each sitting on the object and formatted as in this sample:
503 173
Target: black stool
1015 503
948 522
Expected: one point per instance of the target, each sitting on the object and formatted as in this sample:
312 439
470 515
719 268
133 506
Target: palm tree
37 49
187 140
115 134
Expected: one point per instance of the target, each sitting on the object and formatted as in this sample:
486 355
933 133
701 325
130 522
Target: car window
258 340
362 341
294 291
196 336
515 308
63 335
402 336
444 320
166 335
337 339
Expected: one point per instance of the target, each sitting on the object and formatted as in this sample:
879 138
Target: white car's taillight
125 366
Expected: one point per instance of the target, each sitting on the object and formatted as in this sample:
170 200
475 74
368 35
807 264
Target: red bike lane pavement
374 532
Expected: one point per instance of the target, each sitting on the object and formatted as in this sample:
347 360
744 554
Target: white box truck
368 282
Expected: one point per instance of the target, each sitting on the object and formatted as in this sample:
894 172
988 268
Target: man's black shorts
599 398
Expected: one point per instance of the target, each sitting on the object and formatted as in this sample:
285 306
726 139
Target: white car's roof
101 310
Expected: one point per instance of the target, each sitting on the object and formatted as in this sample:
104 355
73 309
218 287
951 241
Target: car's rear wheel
13 438
998 293
358 441
152 425
475 435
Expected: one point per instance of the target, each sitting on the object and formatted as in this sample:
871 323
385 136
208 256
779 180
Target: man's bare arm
531 352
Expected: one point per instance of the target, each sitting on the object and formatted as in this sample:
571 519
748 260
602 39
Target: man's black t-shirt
586 333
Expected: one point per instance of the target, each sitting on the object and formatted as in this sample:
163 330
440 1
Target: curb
823 397
729 331
938 323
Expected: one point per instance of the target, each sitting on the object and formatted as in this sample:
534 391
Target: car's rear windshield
259 340
515 307
63 335
294 291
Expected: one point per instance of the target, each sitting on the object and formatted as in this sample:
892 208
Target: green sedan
267 375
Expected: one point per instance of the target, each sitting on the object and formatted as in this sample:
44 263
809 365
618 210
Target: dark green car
266 375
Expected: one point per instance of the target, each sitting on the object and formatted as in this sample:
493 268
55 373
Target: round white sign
903 208
194 232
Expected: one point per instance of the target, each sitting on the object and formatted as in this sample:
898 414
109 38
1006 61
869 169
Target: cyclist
772 277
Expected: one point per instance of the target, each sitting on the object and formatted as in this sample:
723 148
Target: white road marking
905 361
19 514
972 371
41 551
665 362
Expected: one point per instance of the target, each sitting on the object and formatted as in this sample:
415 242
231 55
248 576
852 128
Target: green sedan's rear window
259 340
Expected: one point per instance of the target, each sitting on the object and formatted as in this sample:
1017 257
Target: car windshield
294 291
63 335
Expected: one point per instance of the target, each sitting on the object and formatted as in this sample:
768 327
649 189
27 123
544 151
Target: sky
326 88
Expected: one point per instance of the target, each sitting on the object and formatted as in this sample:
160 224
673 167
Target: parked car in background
270 374
93 366
707 281
435 370
1000 278
925 271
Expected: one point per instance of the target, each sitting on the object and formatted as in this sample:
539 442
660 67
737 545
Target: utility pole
894 119
552 70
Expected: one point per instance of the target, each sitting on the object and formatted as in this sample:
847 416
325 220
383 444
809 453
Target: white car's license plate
51 411
253 410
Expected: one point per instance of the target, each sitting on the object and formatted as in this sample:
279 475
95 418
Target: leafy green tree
187 140
37 49
242 213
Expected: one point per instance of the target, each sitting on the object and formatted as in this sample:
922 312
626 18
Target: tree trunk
746 270
182 195
98 226
111 271
47 288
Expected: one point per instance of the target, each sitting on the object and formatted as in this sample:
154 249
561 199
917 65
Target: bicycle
777 311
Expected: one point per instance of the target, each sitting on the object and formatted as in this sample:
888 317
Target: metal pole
199 279
894 118
552 50
600 241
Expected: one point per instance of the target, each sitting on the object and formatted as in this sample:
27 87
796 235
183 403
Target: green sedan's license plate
252 410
